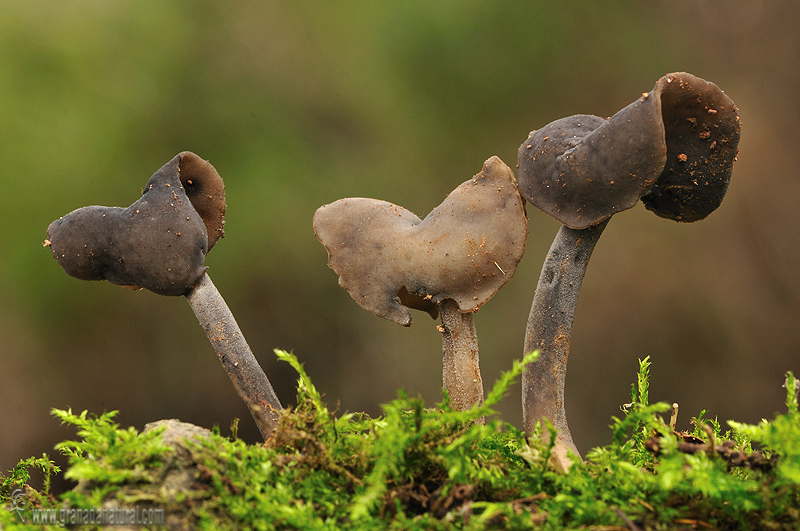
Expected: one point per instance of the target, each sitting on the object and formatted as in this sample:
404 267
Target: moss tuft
416 468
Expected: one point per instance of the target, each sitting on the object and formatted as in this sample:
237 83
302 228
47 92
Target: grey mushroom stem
460 367
235 355
549 331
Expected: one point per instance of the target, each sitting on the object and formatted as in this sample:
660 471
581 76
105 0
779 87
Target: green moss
434 468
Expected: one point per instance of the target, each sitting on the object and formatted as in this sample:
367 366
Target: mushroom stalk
235 355
460 367
549 331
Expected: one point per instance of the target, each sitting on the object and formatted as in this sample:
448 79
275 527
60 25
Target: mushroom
160 243
449 264
673 148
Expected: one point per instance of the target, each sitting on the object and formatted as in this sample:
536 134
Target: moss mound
415 468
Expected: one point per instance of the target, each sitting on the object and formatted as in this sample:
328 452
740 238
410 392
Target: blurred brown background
298 104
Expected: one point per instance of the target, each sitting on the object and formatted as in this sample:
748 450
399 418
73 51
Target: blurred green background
298 104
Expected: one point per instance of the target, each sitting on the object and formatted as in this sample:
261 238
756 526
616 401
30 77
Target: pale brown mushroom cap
466 249
673 147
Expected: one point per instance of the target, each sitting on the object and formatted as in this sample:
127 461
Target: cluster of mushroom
673 148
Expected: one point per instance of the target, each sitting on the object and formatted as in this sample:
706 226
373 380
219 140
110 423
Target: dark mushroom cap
674 148
466 249
158 243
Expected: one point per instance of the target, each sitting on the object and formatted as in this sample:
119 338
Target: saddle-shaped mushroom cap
467 248
158 243
674 148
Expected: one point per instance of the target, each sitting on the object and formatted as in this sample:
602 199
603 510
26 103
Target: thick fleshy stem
549 331
460 368
235 355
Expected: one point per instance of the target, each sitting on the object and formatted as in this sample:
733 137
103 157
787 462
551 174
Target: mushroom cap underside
467 248
673 147
206 190
702 131
158 243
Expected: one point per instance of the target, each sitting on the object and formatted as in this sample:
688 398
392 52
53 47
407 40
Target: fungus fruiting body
673 148
160 243
449 264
